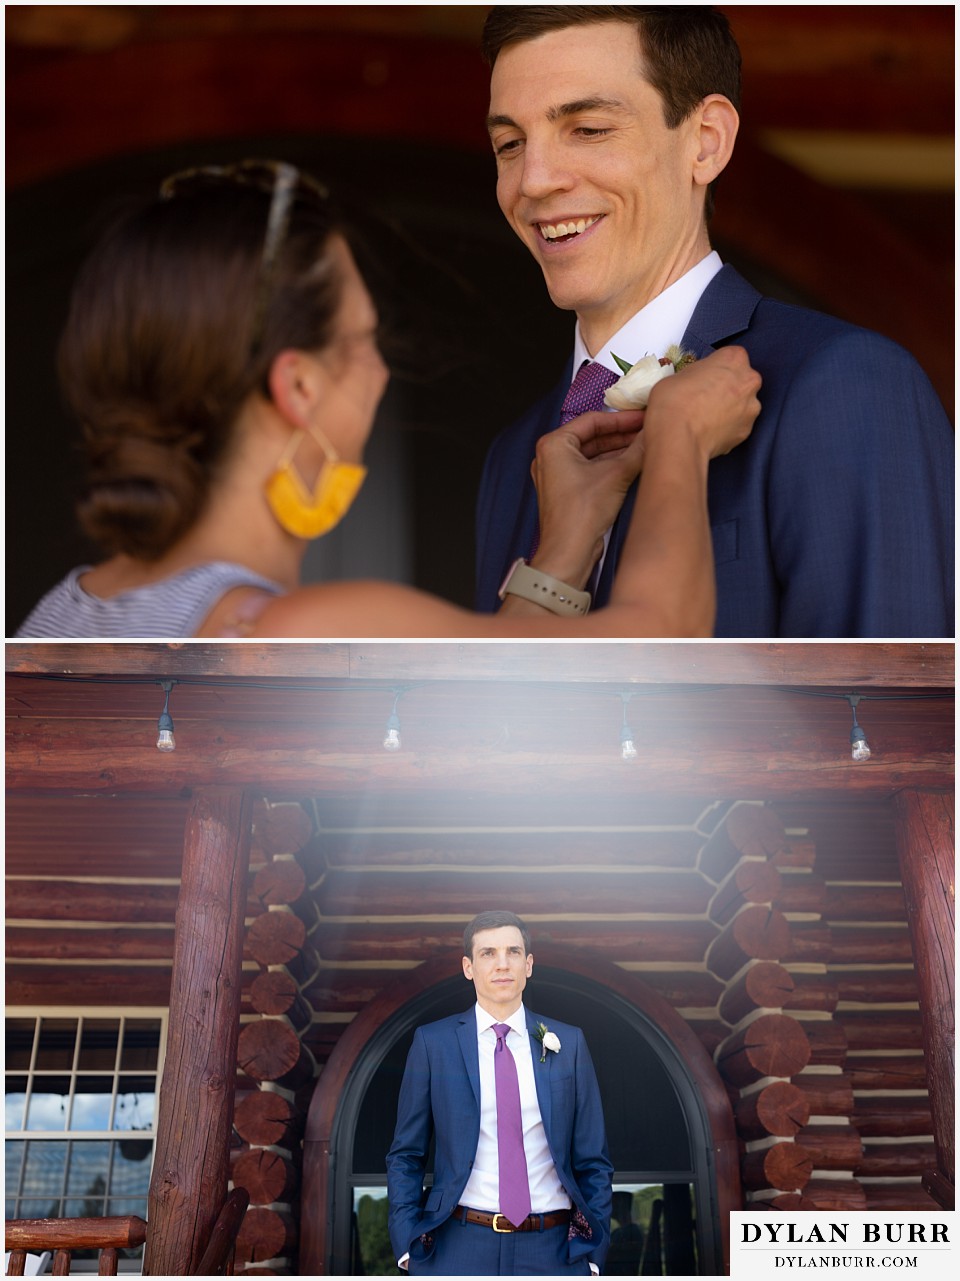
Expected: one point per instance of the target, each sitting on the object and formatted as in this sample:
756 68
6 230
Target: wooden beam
832 66
925 840
805 66
866 666
335 850
86 985
191 1164
764 206
90 756
436 892
66 900
136 838
241 85
67 944
681 942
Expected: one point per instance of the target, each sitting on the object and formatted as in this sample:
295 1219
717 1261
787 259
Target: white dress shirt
483 1187
659 325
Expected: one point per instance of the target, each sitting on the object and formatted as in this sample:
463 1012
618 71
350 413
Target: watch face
509 574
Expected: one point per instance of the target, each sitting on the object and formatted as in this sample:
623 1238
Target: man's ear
295 383
718 125
529 964
467 967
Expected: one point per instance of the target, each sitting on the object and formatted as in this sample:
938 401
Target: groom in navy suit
451 1092
610 126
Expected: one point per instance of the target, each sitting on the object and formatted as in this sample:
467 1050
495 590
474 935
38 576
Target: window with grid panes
81 1094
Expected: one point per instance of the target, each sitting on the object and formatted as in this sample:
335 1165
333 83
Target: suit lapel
725 310
527 534
467 1036
541 1071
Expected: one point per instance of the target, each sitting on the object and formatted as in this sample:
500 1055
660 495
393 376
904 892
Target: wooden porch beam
113 757
925 842
191 1165
867 666
804 66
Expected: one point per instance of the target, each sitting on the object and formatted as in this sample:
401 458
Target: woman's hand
582 472
715 397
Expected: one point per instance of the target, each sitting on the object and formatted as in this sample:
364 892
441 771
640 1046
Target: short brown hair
688 51
170 331
493 921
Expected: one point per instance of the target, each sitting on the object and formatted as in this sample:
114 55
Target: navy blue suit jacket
440 1096
834 519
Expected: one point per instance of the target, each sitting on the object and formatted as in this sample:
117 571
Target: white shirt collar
517 1020
658 325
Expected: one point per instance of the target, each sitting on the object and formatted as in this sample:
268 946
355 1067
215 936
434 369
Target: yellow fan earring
295 508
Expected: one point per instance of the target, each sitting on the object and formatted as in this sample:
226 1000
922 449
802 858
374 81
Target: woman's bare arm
582 473
664 584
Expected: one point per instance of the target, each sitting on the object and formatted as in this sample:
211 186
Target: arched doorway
668 1117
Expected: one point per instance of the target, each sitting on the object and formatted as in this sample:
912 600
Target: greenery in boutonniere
548 1040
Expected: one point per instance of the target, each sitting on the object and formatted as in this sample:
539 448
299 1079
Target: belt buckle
511 1228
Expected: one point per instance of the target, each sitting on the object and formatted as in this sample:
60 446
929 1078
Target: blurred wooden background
840 196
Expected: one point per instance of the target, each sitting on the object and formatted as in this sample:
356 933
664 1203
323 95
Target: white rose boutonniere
632 391
548 1040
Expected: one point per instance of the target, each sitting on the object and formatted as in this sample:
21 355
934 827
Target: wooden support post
925 843
195 1114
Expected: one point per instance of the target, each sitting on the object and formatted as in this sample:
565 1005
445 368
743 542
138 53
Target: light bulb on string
391 741
859 747
165 740
628 748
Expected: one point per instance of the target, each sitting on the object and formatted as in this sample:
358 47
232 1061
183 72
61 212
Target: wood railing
62 1237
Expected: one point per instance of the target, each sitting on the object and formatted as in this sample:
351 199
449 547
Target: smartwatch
543 589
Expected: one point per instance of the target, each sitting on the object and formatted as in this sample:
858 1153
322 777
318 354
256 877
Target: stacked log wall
276 1070
387 902
822 1055
728 936
770 916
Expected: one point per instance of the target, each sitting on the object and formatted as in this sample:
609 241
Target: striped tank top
175 606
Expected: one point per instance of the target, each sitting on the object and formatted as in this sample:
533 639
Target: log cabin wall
800 986
823 1058
772 923
792 964
790 960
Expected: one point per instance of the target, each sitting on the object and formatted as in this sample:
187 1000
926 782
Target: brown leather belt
500 1223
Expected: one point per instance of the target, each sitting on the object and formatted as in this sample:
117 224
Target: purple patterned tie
586 390
586 393
514 1188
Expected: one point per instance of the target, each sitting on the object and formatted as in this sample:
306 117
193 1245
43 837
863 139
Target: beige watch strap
543 589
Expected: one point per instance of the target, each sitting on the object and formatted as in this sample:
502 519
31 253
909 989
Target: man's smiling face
589 176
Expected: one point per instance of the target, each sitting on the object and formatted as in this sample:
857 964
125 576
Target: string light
859 748
165 740
391 740
628 749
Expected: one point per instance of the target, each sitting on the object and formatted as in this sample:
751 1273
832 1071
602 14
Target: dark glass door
665 1206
